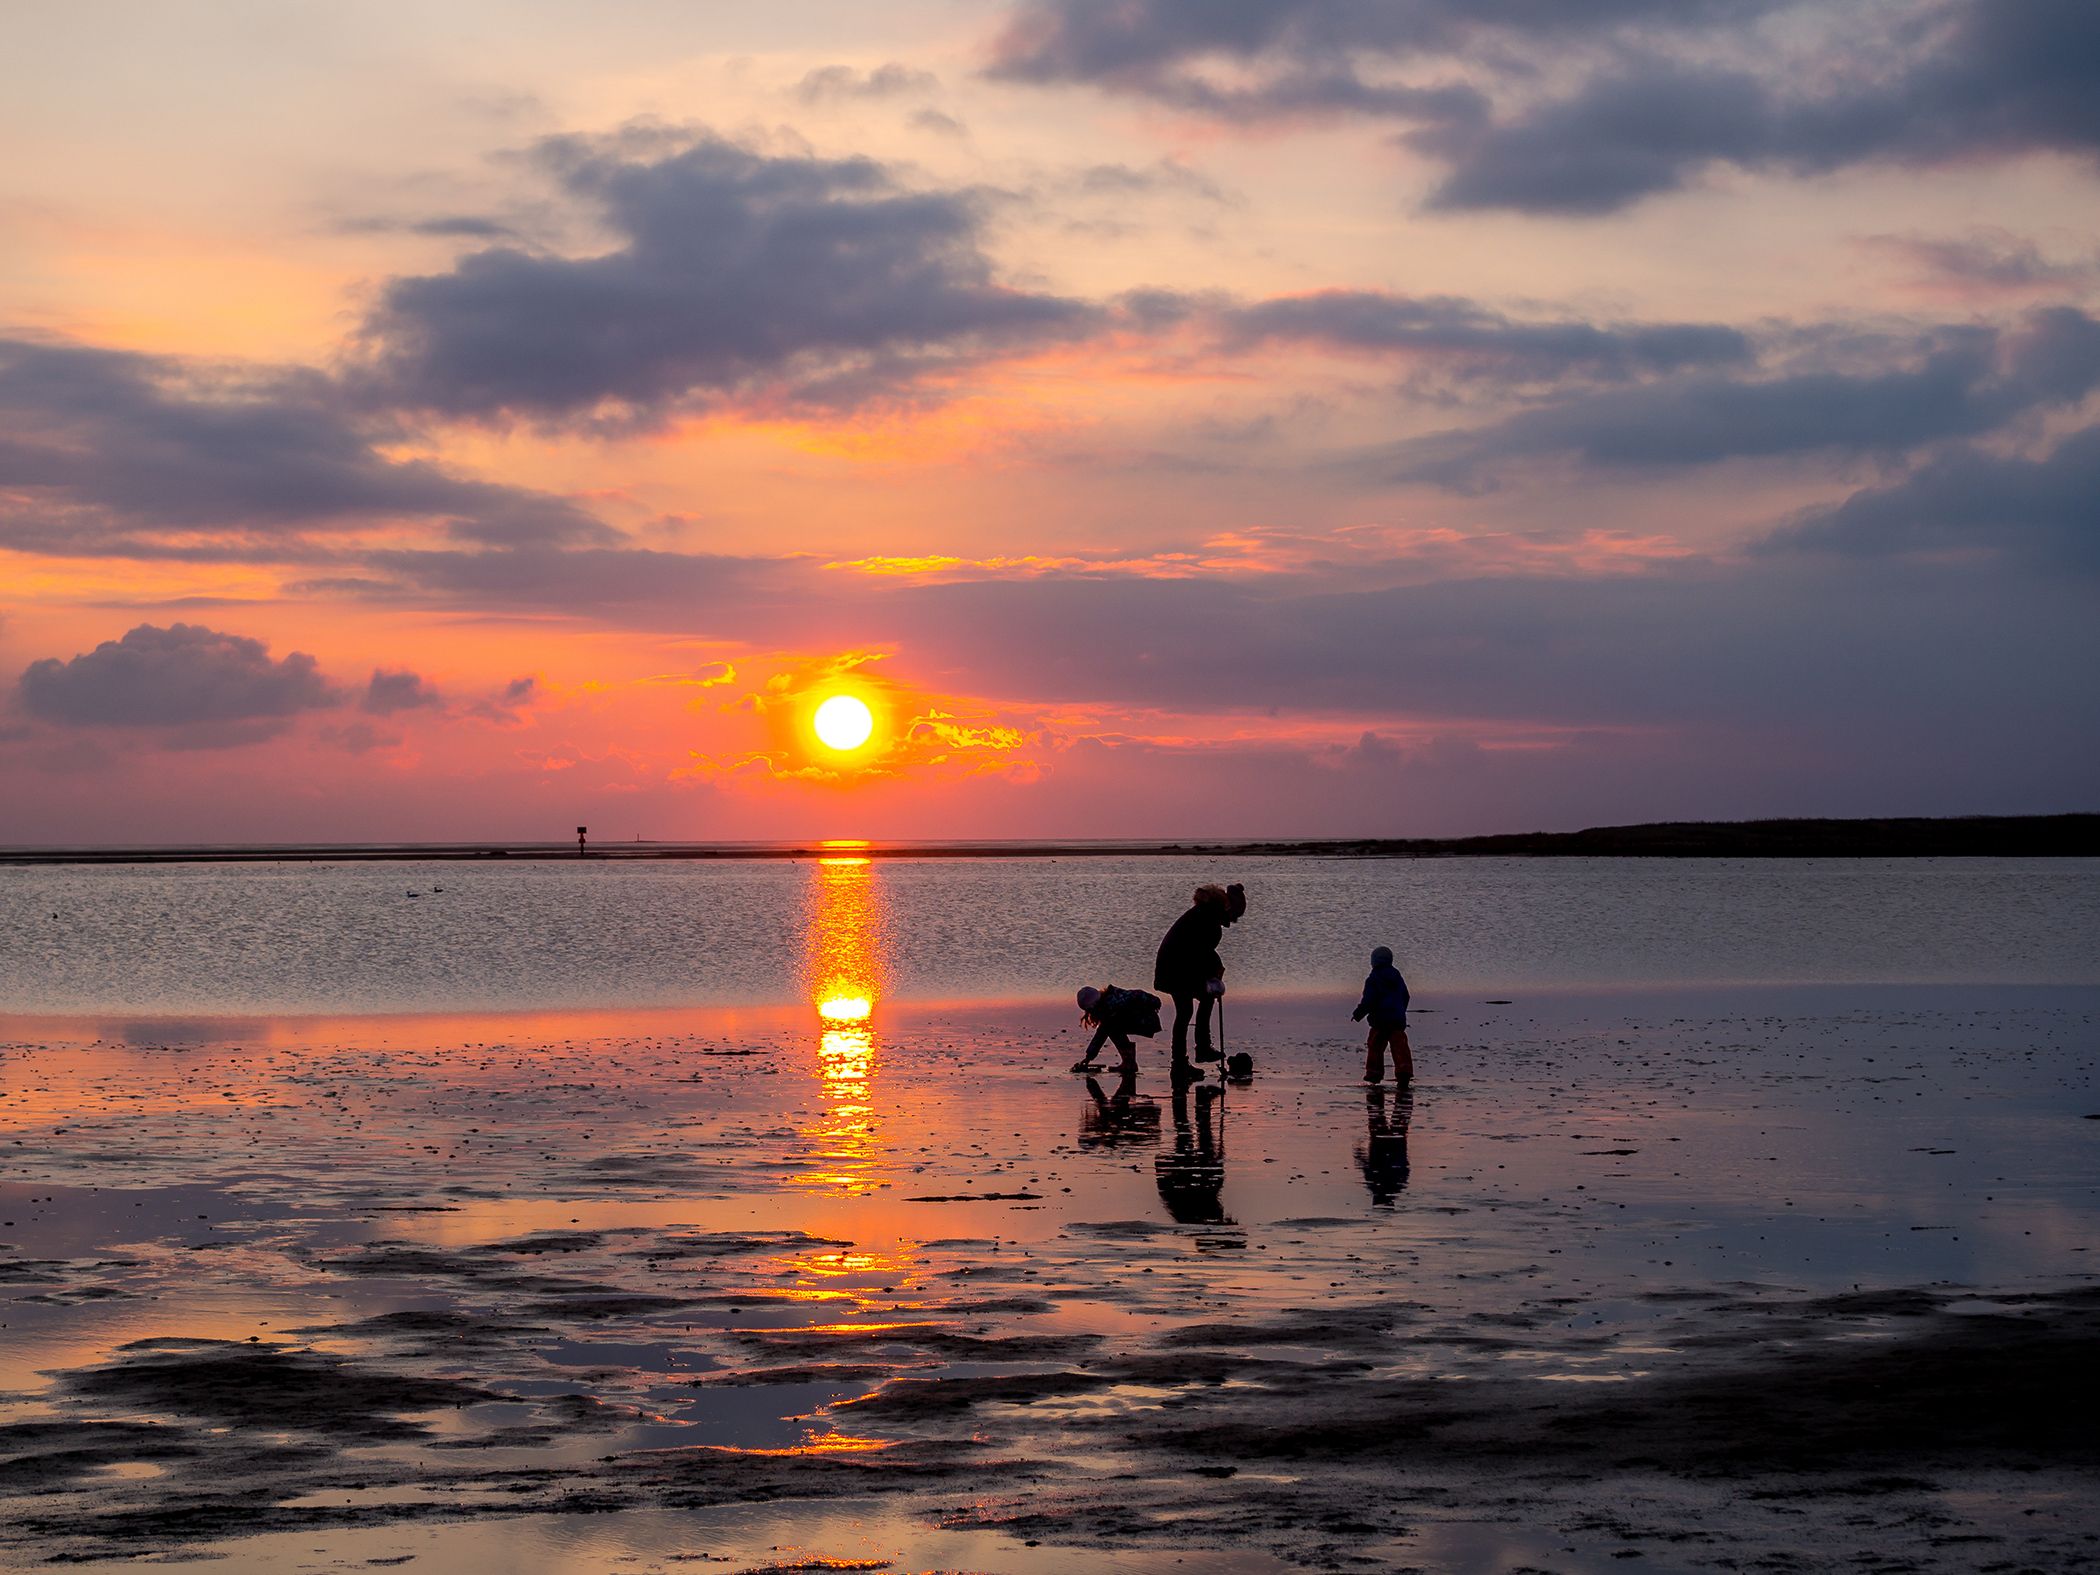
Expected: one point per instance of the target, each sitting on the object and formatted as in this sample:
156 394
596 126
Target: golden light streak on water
844 965
819 1444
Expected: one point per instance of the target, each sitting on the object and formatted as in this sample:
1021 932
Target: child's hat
1089 998
1381 955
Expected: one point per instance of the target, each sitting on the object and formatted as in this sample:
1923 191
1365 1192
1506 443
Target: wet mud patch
1925 1424
2016 1389
66 1282
804 1373
704 1477
268 1389
916 1399
700 1287
42 1457
427 1331
595 1304
731 1244
930 1339
1342 1328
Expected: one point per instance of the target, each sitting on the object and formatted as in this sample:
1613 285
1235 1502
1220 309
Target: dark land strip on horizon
1969 836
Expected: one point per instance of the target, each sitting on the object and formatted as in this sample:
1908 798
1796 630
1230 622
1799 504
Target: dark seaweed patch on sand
803 1373
1340 1328
731 1244
431 1328
918 1398
935 1339
1928 1429
266 1388
39 1457
688 1478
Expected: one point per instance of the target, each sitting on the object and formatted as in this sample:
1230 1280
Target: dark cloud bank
1483 343
1666 92
797 280
1971 503
110 453
1943 384
735 275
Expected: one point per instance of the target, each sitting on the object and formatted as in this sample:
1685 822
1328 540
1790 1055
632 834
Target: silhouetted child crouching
1384 1003
1115 1015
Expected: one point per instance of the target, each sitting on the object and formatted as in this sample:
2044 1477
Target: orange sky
1335 426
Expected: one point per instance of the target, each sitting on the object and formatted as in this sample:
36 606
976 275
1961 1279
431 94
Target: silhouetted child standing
1385 1004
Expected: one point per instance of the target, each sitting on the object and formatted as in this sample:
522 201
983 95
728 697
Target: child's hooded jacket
1385 994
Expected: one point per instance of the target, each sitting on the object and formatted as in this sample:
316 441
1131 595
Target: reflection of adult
1192 1176
1190 970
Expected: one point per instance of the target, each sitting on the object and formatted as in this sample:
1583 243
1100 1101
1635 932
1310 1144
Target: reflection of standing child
1115 1015
1385 1004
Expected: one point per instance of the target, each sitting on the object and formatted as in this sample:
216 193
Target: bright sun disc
844 722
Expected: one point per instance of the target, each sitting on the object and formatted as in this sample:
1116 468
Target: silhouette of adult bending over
1191 972
1383 1155
1192 1174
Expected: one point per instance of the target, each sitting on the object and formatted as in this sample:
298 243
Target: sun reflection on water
816 1444
845 978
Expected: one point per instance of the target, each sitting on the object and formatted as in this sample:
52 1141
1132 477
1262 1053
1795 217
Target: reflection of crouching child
1385 1004
1115 1015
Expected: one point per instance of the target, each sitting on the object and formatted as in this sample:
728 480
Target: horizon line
2067 834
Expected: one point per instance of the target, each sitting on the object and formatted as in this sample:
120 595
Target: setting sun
844 722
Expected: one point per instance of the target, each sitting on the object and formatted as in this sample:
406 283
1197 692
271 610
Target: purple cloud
212 688
824 281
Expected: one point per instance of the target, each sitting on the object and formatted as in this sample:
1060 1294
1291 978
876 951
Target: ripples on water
398 937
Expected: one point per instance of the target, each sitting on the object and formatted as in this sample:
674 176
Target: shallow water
902 1269
821 1273
269 939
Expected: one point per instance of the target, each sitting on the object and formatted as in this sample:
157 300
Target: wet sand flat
1725 1279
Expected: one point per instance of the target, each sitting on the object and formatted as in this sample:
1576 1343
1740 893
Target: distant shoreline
1974 836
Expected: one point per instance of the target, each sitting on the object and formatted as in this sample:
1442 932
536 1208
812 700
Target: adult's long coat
1188 957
